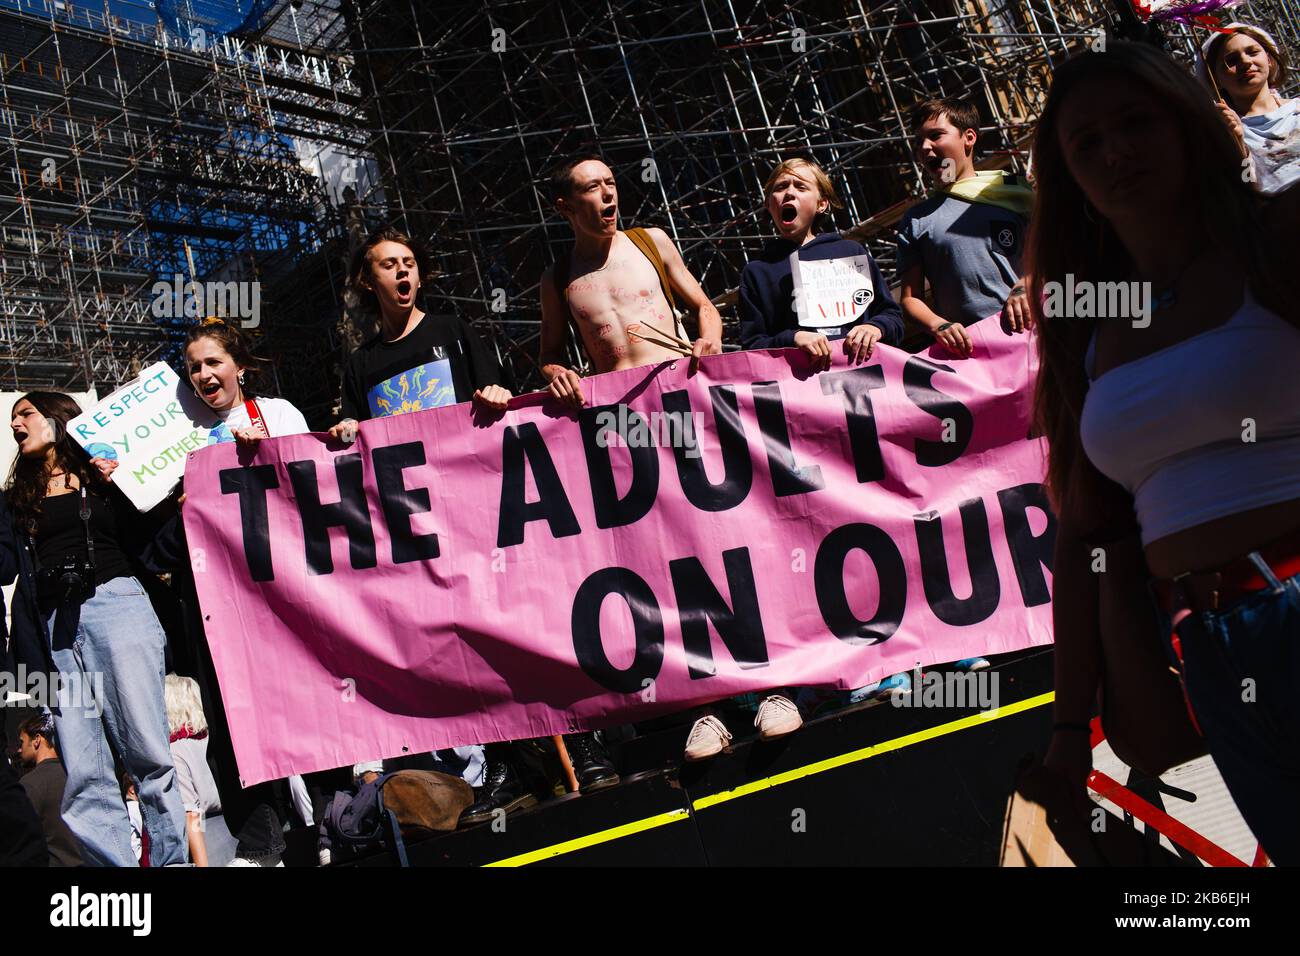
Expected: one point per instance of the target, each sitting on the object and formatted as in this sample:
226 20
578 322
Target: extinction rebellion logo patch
1005 236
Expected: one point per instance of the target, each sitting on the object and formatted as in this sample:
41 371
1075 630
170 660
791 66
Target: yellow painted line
591 839
821 766
866 753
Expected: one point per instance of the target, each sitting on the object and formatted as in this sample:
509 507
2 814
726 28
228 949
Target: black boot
502 789
591 765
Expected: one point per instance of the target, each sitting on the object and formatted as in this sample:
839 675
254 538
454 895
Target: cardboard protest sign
148 426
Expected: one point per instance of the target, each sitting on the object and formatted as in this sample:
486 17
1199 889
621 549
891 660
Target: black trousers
255 815
22 842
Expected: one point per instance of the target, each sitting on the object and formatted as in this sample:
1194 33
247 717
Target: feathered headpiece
1200 13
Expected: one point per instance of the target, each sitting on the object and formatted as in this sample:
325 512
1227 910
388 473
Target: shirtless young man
612 285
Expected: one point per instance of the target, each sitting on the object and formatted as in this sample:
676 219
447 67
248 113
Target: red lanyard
255 417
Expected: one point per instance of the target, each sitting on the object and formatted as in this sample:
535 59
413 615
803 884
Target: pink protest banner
454 578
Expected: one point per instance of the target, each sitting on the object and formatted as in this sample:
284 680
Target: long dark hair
1063 240
29 478
236 344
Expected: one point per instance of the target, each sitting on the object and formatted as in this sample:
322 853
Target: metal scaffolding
692 103
127 142
269 151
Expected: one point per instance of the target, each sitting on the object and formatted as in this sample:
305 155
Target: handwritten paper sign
831 293
148 426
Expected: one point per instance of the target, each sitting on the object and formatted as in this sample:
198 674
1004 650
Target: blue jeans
219 840
1241 666
113 643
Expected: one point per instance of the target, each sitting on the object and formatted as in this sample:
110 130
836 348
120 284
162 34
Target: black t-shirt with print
442 361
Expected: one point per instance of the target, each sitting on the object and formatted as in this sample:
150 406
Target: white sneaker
245 861
777 716
324 856
708 737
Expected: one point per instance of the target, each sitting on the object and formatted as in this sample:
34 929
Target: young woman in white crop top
1183 426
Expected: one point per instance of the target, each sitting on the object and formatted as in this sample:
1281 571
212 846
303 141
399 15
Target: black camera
72 582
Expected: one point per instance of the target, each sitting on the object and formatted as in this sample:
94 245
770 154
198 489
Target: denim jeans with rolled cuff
1241 668
109 651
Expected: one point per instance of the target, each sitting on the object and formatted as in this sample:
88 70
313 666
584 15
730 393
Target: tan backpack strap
646 244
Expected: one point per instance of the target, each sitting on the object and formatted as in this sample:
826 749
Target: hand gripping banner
458 578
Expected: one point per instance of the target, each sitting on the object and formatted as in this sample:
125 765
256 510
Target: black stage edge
933 793
919 791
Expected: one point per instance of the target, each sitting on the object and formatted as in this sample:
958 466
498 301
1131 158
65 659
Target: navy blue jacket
29 644
767 316
8 571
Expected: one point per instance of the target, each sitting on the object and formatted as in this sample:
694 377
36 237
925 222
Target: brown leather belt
1201 591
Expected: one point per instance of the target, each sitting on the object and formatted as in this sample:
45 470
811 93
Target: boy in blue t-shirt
967 239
